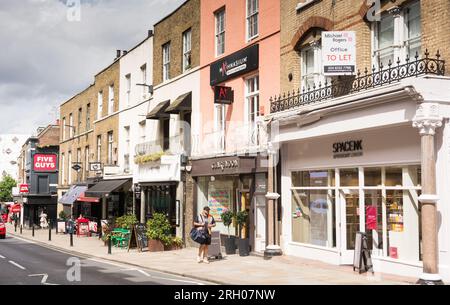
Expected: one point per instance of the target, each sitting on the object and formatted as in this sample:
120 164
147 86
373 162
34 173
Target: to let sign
339 53
45 163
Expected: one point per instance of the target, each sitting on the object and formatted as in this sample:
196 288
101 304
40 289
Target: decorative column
427 119
143 196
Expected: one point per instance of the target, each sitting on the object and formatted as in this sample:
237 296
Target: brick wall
350 15
171 29
49 137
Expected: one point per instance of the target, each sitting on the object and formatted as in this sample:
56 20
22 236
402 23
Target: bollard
71 239
32 230
49 232
56 228
109 244
20 229
15 227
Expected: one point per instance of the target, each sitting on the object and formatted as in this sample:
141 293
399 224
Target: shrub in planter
158 232
244 244
126 222
230 241
175 244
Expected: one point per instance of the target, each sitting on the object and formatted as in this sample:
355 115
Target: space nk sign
339 52
45 163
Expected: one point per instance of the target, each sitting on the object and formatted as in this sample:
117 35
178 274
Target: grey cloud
45 59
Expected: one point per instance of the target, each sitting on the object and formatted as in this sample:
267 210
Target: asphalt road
26 263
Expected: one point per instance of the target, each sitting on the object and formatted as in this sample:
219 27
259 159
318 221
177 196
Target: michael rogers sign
339 53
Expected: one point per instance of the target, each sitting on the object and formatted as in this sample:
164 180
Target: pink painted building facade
239 71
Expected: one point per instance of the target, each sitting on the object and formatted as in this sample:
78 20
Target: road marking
1 256
44 278
144 273
17 265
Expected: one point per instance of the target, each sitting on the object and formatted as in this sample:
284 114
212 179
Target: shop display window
349 177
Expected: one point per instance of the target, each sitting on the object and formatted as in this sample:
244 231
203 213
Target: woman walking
204 222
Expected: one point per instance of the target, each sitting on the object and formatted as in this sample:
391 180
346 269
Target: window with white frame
187 48
99 148
252 19
86 161
252 106
220 124
69 180
142 126
63 169
127 149
311 66
220 32
88 117
166 61
78 161
99 105
397 34
128 89
64 129
71 126
111 99
110 147
144 79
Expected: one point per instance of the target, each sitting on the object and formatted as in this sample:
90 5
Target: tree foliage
6 185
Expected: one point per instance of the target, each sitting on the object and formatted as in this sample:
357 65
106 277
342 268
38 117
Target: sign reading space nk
339 52
45 163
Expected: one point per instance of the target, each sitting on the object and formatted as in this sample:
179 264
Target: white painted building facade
353 163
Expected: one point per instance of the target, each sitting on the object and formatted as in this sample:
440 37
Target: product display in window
395 212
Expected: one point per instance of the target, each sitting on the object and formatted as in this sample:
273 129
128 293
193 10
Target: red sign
24 189
16 208
393 252
371 218
45 163
223 95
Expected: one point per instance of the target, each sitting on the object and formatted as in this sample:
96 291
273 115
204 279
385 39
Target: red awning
16 208
82 198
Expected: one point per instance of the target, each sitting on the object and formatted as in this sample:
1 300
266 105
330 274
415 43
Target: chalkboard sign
138 238
362 259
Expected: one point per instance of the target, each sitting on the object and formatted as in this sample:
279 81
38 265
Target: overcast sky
47 56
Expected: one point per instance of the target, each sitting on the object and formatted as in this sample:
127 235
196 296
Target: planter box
155 245
244 247
230 245
172 248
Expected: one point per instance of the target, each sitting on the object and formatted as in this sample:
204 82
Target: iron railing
345 85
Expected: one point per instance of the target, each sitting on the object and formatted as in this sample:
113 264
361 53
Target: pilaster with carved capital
427 118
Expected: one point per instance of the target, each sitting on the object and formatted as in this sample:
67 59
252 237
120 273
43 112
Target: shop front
335 186
236 184
107 199
34 206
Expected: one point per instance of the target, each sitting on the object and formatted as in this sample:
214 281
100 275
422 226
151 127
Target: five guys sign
45 163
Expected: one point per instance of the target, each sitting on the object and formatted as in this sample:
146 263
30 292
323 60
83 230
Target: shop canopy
182 103
159 112
72 195
105 187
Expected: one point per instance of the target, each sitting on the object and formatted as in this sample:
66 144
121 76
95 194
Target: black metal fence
344 85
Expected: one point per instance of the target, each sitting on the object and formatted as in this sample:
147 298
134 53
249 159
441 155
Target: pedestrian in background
204 222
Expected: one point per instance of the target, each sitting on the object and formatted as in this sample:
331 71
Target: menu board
219 200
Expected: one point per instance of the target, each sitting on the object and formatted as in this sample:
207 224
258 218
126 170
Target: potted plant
230 241
158 233
244 245
126 222
176 243
61 222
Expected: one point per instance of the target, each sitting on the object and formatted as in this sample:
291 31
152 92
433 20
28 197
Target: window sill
304 5
250 39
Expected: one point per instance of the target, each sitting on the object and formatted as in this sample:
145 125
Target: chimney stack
150 33
118 53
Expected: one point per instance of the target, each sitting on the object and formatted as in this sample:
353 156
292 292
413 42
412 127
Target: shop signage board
223 95
339 52
95 166
362 259
234 65
45 163
348 149
24 188
371 218
138 238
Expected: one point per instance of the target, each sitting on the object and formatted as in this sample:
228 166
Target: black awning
72 195
105 187
182 103
159 112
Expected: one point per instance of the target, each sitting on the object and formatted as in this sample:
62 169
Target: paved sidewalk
233 269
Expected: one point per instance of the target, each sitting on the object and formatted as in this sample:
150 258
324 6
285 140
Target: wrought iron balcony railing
345 85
